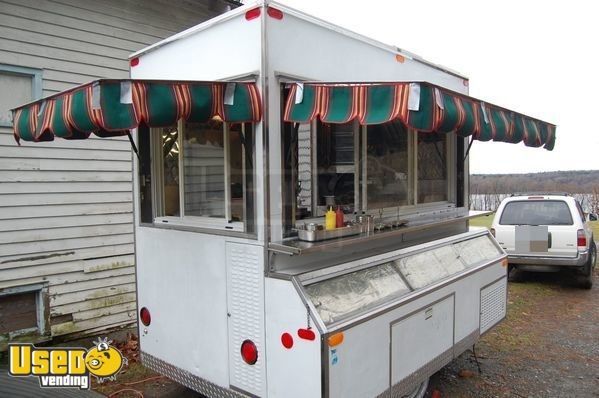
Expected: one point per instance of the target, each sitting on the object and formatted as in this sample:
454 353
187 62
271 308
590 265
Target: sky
539 58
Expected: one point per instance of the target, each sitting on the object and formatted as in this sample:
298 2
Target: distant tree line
487 190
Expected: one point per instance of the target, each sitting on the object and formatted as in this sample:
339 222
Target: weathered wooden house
66 233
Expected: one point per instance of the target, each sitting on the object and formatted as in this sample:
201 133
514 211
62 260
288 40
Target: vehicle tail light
581 238
249 352
274 13
145 317
493 232
252 14
134 61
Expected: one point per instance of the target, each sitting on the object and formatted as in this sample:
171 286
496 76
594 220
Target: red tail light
134 62
144 316
249 352
581 238
274 13
252 14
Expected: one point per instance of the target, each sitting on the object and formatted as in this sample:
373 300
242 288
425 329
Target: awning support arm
133 146
469 146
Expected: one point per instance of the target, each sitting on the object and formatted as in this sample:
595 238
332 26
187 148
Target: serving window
384 169
201 175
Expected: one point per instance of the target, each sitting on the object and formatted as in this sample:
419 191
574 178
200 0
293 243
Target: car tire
514 274
587 279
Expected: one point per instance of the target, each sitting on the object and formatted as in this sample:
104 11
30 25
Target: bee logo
104 361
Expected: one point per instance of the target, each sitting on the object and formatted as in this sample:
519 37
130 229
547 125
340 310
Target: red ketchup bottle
339 218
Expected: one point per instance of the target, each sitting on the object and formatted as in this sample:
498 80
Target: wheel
587 278
514 274
418 391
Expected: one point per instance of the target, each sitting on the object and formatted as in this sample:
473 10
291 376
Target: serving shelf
294 246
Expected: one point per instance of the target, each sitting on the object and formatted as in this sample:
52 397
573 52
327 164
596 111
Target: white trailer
249 127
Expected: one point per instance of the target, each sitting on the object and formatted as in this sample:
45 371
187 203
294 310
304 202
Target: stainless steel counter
293 246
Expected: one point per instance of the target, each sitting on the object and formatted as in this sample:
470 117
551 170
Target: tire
587 278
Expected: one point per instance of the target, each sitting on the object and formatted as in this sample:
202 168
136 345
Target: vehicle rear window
536 212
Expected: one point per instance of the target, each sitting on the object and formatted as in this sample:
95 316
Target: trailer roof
301 15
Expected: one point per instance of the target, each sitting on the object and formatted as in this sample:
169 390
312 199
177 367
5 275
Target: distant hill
580 181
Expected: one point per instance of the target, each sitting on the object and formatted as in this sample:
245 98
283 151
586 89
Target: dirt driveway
547 347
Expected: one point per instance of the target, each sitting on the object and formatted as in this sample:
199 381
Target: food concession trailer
248 129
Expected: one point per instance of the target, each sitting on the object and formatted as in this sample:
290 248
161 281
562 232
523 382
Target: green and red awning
113 107
420 106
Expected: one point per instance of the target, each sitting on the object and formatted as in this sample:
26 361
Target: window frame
360 167
40 290
36 82
204 222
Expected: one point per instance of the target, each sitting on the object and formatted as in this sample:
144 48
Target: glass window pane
16 90
432 167
336 168
204 169
170 170
236 167
536 212
339 297
426 268
477 250
387 166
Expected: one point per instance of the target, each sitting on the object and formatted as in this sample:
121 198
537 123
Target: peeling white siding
65 206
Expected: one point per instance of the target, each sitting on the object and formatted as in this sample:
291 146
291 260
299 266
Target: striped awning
419 105
113 107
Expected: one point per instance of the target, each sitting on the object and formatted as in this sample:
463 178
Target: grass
484 221
595 226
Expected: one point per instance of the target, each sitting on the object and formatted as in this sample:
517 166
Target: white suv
542 232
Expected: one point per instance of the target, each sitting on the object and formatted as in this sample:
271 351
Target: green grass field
482 221
595 226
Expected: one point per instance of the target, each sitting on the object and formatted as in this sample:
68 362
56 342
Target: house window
22 310
203 175
19 86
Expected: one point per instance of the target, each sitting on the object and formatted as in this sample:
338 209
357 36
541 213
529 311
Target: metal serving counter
294 246
354 290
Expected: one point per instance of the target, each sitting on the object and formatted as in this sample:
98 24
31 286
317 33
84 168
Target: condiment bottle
339 218
330 219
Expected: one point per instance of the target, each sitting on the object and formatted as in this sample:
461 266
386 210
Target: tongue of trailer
109 108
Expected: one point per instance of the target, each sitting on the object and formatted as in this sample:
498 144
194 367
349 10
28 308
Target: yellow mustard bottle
330 219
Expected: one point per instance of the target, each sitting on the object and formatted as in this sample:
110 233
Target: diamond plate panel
187 379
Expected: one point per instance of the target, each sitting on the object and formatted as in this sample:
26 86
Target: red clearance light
134 62
274 13
249 352
252 14
144 316
536 197
306 334
581 238
287 340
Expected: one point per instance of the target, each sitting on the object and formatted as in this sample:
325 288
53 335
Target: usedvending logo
66 367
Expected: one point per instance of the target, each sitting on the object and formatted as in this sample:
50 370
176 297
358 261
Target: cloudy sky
539 58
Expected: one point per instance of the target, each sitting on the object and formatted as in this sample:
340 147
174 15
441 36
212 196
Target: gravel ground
548 346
